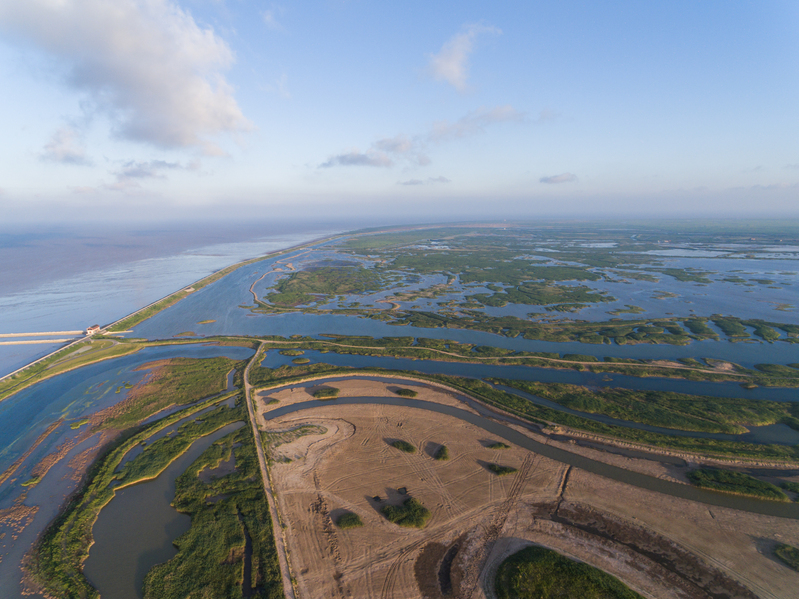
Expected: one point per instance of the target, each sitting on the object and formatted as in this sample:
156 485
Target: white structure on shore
95 328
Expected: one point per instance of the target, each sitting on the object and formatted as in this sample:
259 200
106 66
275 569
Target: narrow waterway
774 433
273 359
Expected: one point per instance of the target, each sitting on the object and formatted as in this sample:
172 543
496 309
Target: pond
137 528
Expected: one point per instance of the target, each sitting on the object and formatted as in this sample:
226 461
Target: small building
95 328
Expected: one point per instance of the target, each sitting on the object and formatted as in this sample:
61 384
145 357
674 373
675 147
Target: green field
308 286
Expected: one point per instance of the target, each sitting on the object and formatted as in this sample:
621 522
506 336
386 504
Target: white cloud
145 63
65 147
474 122
451 64
133 171
562 178
356 158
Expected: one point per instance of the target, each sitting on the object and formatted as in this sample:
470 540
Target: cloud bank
144 63
451 64
563 178
356 158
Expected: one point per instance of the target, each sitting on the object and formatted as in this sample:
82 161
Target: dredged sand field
658 545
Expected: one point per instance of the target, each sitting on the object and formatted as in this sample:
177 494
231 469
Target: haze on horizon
153 109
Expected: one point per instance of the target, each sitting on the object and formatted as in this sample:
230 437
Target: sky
149 109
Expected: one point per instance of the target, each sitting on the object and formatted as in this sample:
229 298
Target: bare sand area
344 462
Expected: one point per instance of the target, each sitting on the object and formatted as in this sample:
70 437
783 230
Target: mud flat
658 545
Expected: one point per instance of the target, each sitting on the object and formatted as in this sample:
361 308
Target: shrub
498 445
789 555
403 446
411 513
406 392
537 572
349 520
326 393
442 453
501 470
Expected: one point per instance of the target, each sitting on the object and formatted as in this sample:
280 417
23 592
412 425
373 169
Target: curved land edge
594 516
118 348
523 439
157 306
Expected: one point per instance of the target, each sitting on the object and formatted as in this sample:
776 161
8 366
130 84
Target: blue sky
148 108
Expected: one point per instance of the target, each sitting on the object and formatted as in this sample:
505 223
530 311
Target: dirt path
277 528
